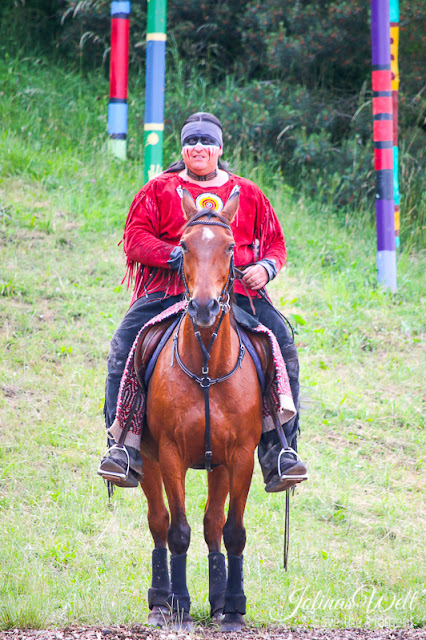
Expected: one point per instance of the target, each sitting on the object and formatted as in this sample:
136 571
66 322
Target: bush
30 26
290 81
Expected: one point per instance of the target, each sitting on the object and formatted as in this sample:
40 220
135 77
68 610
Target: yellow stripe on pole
156 37
394 32
153 126
397 220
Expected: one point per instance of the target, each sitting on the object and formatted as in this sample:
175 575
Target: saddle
153 339
150 344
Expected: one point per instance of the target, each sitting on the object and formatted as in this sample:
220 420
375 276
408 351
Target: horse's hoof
217 617
232 622
182 621
159 617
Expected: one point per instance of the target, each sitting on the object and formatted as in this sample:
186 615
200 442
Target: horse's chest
182 405
176 408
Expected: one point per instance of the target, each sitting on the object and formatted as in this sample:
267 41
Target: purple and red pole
383 143
118 76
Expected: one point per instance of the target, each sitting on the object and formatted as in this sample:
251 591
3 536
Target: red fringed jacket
155 223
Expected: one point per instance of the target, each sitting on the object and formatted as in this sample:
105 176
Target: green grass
356 526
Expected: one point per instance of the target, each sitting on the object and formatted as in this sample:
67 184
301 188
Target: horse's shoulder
262 345
260 341
261 353
148 341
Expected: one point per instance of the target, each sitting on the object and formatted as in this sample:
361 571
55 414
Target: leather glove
175 259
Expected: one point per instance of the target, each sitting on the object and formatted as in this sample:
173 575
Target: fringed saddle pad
130 389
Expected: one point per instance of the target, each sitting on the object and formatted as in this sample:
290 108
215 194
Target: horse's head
208 249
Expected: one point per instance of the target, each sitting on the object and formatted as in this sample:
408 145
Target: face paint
211 149
201 154
205 141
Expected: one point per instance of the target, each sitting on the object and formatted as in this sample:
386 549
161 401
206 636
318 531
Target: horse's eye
183 245
230 248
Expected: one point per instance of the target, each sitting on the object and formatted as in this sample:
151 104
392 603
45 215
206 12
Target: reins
204 380
240 275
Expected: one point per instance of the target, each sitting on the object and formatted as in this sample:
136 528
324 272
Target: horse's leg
234 537
158 521
179 535
214 519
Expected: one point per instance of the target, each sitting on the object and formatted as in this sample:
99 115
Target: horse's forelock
206 212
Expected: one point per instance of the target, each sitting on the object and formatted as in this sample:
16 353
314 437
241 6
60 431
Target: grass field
357 545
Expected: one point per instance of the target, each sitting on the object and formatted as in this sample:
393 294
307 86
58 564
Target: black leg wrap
235 600
159 592
217 582
179 598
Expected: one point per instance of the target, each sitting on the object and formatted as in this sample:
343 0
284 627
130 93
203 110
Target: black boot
217 584
179 599
159 592
122 466
235 600
292 469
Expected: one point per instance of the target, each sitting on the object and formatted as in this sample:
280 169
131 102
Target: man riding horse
151 242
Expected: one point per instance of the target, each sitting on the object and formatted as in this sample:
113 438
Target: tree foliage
293 77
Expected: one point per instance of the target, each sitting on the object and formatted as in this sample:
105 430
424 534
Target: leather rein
204 380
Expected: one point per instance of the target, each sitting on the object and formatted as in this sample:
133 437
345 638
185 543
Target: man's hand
256 277
175 260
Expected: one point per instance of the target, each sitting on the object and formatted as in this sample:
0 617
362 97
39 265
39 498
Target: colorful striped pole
394 43
118 75
154 88
383 142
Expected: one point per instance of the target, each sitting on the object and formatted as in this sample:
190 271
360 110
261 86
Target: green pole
154 88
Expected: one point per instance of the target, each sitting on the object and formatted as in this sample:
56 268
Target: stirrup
289 476
115 474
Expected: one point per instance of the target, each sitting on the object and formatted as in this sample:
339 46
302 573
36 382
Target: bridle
223 299
204 380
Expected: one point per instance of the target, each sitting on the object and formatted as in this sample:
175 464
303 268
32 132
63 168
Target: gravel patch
138 632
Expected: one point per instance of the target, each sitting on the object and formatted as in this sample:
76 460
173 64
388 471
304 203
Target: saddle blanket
130 389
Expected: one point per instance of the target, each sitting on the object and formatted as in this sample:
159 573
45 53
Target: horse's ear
231 207
188 205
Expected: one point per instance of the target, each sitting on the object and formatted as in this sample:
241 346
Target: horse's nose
203 314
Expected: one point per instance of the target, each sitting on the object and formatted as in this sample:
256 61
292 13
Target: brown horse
175 437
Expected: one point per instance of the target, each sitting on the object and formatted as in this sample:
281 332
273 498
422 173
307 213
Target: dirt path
138 632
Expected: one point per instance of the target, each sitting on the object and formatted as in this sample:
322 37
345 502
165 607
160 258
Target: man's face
201 154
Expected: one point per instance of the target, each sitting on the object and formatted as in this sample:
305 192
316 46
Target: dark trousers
269 316
145 309
140 312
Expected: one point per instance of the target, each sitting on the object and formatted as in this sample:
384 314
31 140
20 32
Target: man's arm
141 234
272 248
